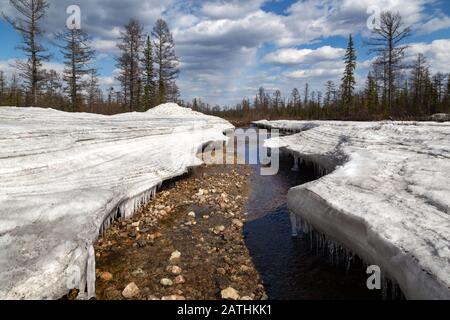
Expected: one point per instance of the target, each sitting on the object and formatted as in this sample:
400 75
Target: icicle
90 273
294 225
296 164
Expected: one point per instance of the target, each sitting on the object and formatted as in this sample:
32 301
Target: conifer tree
348 80
165 59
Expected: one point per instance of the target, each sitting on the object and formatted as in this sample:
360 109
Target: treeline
393 89
147 64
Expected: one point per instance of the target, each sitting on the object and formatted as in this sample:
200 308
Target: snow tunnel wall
387 198
65 177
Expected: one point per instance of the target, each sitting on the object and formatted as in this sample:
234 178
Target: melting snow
387 198
64 177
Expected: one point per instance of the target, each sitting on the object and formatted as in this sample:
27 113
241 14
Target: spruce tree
148 76
348 80
78 57
166 59
131 42
371 93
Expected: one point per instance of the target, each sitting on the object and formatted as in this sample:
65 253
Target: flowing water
289 268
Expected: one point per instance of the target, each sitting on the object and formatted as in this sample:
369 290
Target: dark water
289 268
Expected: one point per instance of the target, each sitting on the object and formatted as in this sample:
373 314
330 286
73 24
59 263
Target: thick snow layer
66 176
388 198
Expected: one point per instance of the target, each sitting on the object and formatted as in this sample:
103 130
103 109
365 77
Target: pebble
238 223
141 242
173 297
166 282
175 270
138 273
106 276
179 280
130 291
230 294
175 255
219 229
191 214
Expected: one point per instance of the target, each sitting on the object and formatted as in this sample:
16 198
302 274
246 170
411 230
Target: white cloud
297 56
230 9
436 52
435 24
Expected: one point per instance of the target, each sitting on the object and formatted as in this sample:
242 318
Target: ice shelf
65 177
384 195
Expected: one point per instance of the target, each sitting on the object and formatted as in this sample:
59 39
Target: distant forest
393 89
149 68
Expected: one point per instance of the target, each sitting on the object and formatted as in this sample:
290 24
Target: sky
230 48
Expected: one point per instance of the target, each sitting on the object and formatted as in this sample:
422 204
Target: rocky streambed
188 243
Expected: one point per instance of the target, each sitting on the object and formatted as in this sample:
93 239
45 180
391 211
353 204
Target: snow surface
387 197
64 177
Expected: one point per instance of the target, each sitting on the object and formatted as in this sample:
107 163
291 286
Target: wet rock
229 294
141 242
131 291
238 223
106 276
175 270
132 234
166 282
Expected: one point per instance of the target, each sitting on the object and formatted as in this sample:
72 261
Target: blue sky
230 48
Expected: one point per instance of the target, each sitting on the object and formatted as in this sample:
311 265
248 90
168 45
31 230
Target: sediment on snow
65 177
386 197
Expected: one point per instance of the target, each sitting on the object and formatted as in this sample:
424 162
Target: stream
288 266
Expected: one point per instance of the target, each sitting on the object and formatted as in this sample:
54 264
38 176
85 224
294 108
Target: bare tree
93 90
131 42
418 82
386 43
78 57
166 59
28 25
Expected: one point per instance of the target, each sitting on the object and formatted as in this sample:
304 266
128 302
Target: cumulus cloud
296 56
230 9
435 24
436 52
219 40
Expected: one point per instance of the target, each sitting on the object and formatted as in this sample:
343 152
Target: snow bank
387 198
64 177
